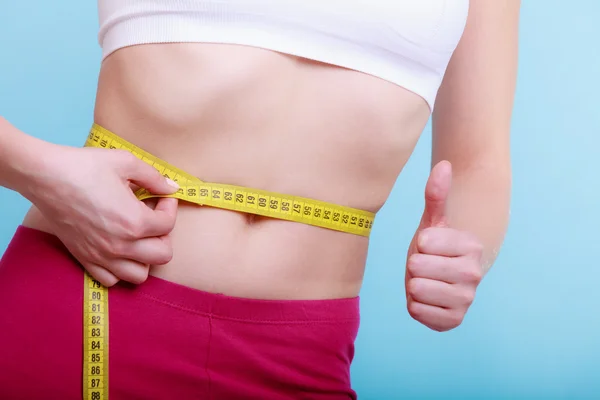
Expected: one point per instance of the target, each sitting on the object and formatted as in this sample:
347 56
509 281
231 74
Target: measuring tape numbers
194 190
253 201
95 340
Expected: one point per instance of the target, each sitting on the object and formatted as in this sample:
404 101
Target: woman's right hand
85 195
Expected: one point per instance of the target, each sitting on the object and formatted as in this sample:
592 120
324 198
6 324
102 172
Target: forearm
20 158
479 203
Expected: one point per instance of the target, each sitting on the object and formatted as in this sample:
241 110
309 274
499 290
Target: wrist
39 168
22 159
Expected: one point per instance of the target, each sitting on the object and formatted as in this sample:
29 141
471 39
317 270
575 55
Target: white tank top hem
417 67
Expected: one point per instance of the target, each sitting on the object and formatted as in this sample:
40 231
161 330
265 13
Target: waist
258 119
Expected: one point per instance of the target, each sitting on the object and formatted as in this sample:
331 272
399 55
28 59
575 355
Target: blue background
534 329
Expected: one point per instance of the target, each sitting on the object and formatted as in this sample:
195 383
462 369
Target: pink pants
167 341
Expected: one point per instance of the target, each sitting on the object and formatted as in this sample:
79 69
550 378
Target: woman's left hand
443 267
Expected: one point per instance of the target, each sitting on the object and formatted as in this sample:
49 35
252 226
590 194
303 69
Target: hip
244 255
166 340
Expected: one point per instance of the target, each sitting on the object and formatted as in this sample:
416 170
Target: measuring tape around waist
253 201
194 190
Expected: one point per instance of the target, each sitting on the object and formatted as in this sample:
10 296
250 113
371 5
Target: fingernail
172 183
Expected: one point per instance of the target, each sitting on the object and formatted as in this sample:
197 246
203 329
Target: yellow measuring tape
95 340
194 190
253 201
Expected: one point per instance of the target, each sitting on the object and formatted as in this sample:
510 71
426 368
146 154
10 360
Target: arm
112 234
19 156
471 123
468 192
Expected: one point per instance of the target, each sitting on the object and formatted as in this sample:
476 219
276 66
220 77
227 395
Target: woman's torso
257 118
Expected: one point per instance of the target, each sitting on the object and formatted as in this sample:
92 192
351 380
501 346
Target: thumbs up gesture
443 267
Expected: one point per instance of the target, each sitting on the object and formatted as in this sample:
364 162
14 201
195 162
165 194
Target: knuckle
93 253
164 256
477 274
455 319
413 263
147 169
134 231
125 157
119 159
413 288
138 275
424 235
430 230
120 249
436 232
414 310
109 281
106 279
467 297
132 226
99 255
116 248
139 278
472 274
108 242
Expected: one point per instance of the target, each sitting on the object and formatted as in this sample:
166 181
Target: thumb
436 194
148 177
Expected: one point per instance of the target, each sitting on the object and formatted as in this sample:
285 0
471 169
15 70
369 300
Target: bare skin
255 123
257 118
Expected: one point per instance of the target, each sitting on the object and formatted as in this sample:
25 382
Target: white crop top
407 42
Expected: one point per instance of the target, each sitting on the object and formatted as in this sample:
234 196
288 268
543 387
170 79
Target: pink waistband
193 300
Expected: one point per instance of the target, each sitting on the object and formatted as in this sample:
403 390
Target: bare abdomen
256 118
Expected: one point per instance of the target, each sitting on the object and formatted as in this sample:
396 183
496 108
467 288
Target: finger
134 188
436 194
438 293
446 242
101 274
436 318
146 176
160 221
440 268
153 251
129 270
